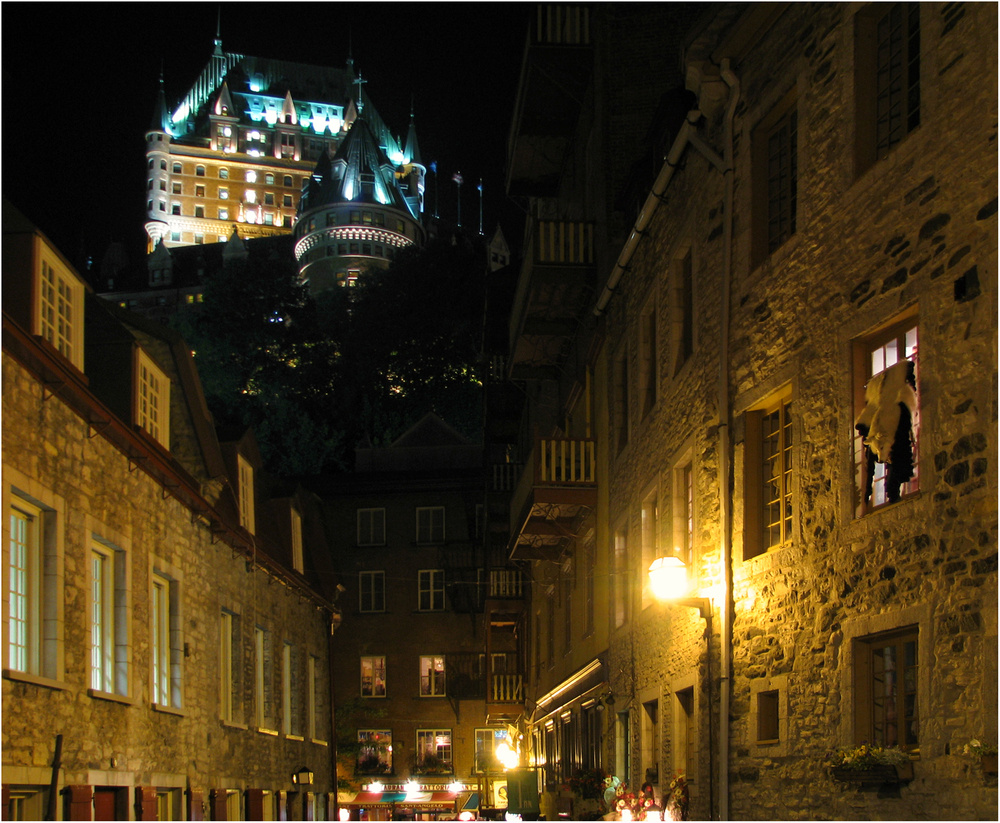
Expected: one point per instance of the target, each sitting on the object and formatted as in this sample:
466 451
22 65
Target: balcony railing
507 688
566 461
506 583
562 25
504 476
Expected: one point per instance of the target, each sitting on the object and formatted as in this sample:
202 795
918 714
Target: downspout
725 445
686 132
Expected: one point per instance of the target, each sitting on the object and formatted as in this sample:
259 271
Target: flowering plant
976 749
588 783
676 799
635 804
863 756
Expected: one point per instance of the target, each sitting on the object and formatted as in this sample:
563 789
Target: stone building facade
814 236
166 625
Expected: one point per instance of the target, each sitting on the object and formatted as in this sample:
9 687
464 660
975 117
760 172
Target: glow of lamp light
411 787
668 578
467 816
507 756
271 117
344 814
626 814
455 787
375 787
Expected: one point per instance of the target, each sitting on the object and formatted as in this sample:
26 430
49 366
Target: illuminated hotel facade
252 135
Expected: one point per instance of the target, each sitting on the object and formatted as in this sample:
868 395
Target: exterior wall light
303 777
411 787
669 580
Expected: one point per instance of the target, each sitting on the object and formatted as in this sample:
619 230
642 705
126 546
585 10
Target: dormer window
297 563
60 310
152 400
246 497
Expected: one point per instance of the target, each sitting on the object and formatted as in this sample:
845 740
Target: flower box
877 774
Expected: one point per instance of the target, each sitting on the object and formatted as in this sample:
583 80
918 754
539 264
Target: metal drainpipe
725 444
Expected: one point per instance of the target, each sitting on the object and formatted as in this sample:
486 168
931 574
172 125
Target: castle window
109 615
768 475
223 174
356 217
199 211
366 248
287 180
268 198
379 219
286 200
331 217
175 187
366 217
885 368
223 194
775 178
152 400
251 176
887 78
163 165
199 171
199 191
175 208
268 219
175 236
177 168
199 239
163 185
286 221
223 214
269 179
163 206
886 669
167 645
250 196
149 163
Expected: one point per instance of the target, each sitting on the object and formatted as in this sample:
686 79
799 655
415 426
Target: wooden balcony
505 700
555 494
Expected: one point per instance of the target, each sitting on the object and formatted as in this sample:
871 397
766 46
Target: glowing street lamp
668 578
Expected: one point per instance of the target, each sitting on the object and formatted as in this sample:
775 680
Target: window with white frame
373 676
60 309
291 692
683 510
371 527
312 673
297 560
430 590
487 741
263 679
229 666
152 399
434 750
371 591
430 524
33 587
109 613
166 644
649 516
432 676
246 493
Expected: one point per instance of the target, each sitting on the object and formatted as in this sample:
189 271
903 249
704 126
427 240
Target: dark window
768 493
767 716
886 670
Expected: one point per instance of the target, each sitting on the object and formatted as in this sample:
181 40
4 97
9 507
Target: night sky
80 83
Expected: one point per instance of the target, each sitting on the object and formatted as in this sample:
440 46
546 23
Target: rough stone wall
129 743
918 228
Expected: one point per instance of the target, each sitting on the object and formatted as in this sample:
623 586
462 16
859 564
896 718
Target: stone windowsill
262 730
298 737
317 742
159 707
34 679
99 694
232 724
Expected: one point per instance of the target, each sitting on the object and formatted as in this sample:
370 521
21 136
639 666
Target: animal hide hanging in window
886 427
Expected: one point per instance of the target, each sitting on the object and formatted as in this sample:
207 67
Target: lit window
268 219
228 665
199 239
223 215
175 187
60 310
430 524
199 191
269 179
430 590
163 185
374 751
251 176
886 369
297 563
768 468
175 237
371 591
263 668
373 676
223 194
371 527
223 174
246 493
175 208
886 669
434 750
166 647
250 196
199 211
683 512
199 171
109 610
649 516
152 412
177 168
432 677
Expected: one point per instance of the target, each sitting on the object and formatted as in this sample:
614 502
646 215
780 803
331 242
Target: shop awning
472 802
375 800
418 801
